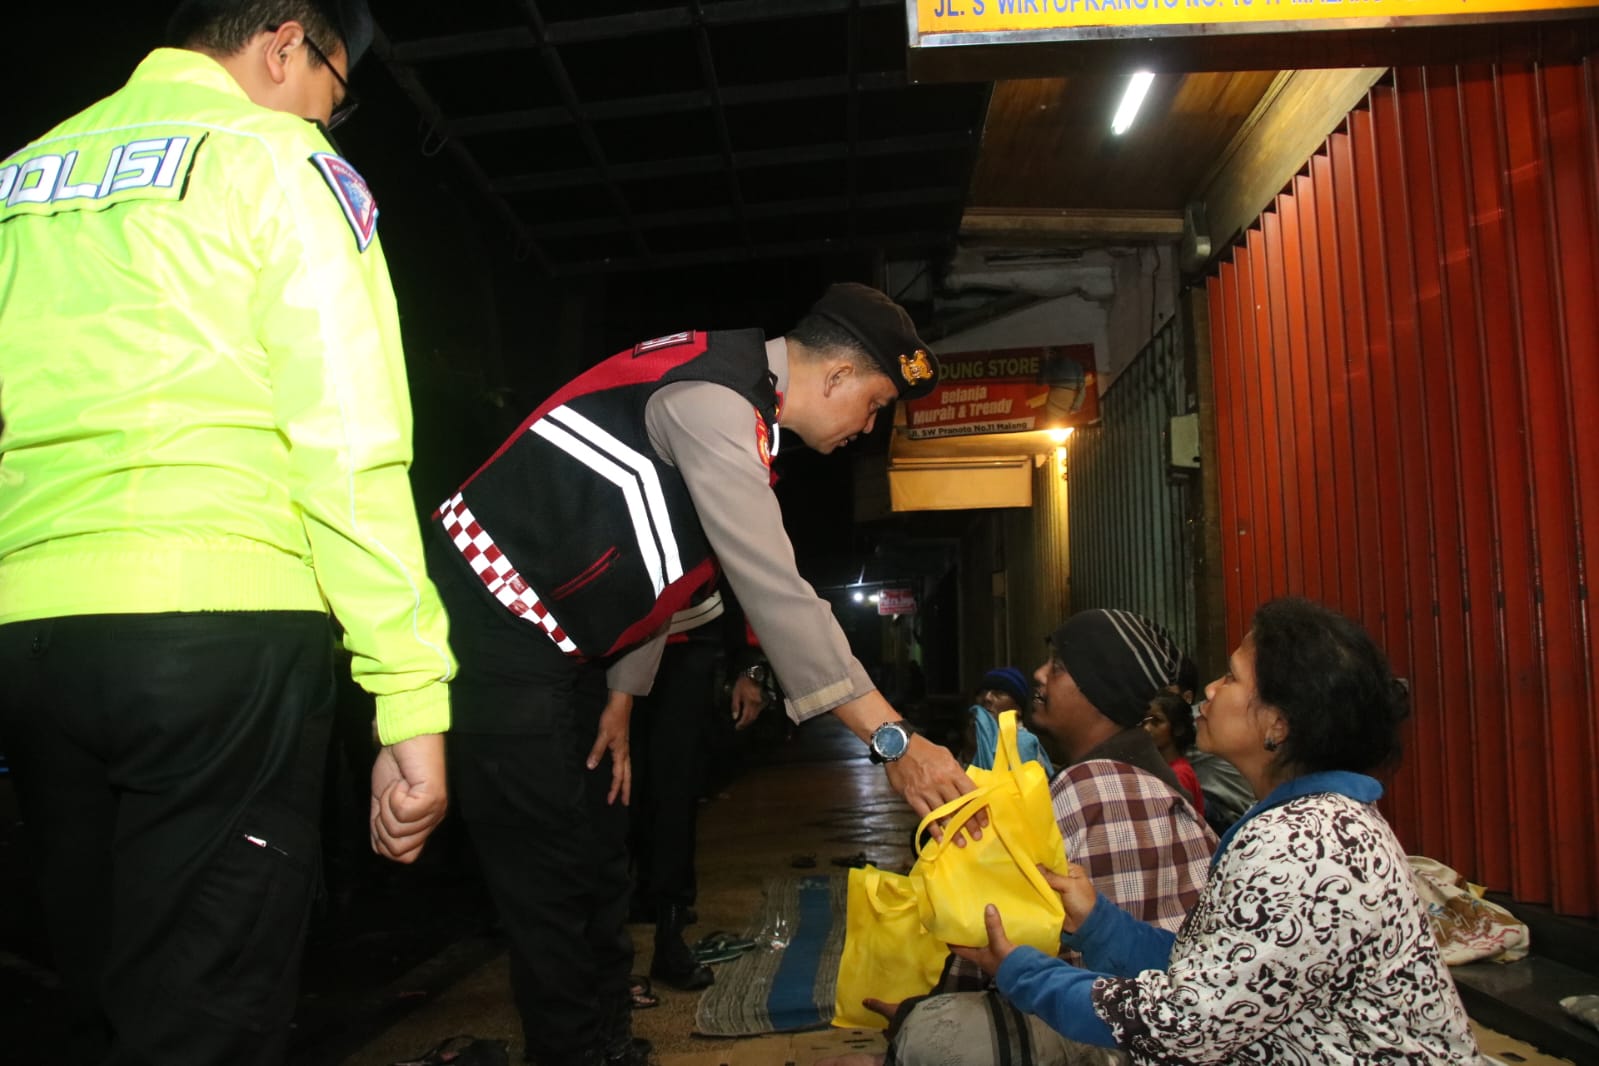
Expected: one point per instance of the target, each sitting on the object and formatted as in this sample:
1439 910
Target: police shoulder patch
763 440
671 340
355 199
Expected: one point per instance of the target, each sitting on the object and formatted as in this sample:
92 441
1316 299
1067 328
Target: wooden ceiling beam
675 103
725 13
1058 225
1292 120
901 243
611 27
820 205
931 143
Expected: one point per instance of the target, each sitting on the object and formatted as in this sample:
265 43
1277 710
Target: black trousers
669 747
169 770
554 853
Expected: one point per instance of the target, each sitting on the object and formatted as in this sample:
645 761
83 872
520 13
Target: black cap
885 331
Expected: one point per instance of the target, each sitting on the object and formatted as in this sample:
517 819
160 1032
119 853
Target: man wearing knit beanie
1122 814
1104 668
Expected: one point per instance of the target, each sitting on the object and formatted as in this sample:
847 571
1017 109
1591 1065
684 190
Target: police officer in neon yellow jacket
206 432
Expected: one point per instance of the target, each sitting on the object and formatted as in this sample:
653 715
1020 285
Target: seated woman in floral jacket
1308 943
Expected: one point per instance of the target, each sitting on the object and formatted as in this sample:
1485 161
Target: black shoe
635 1053
683 974
463 1051
674 963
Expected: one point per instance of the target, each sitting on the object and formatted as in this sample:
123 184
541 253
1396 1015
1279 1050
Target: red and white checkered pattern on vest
497 572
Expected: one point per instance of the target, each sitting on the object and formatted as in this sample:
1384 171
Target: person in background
1171 726
1226 793
669 745
1309 943
1002 689
206 436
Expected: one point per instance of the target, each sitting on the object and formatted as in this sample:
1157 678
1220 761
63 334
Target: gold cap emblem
914 368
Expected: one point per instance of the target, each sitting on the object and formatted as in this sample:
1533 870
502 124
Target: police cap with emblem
885 331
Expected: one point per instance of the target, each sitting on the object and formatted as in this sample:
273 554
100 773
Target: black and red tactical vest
575 525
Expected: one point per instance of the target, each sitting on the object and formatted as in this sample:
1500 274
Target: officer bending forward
560 562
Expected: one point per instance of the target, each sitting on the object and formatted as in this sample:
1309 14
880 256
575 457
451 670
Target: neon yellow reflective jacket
202 388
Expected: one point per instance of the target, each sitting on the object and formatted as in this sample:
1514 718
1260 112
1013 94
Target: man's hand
748 700
408 796
999 945
1077 894
612 737
928 776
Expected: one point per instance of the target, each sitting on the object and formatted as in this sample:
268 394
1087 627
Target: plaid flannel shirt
1141 843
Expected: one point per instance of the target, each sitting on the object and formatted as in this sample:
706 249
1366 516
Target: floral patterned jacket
1308 945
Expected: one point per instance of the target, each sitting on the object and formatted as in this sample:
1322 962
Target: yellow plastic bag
953 884
888 955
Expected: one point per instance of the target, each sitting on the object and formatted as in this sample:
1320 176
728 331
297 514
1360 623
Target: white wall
1113 298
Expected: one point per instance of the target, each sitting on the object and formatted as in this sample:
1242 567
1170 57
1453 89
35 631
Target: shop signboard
896 601
1012 390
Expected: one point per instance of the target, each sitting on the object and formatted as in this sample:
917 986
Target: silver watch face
890 741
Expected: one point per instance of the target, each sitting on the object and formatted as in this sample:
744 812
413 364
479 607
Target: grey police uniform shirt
707 432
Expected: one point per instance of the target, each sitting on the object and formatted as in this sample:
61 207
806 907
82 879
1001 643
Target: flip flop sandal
639 993
720 947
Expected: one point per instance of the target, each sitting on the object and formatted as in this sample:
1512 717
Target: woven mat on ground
788 989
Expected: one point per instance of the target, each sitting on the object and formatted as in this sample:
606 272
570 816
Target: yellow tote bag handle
1027 775
954 882
1019 833
1008 748
959 811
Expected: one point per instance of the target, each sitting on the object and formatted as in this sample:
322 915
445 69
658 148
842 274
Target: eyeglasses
349 101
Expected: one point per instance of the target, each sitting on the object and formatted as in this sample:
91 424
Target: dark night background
486 335
486 338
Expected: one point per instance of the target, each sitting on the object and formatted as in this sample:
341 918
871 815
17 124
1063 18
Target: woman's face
1230 723
1158 727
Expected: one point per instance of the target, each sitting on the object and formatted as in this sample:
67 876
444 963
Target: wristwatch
890 741
758 673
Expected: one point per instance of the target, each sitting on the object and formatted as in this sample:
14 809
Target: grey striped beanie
1118 659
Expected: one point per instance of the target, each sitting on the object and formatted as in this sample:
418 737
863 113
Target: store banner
896 601
1008 391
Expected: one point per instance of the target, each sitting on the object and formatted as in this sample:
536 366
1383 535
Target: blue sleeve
1057 992
1114 942
986 734
1032 750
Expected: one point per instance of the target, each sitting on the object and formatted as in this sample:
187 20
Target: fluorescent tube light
1132 100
